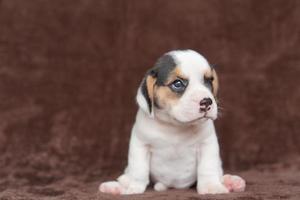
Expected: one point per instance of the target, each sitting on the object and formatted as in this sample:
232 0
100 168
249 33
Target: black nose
205 103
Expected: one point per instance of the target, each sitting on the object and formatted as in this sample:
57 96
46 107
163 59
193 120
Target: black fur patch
208 83
163 67
161 70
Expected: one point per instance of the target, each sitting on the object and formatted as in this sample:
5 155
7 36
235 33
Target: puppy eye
178 85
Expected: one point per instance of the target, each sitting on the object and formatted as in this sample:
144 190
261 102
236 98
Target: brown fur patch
179 73
150 81
176 73
215 83
163 95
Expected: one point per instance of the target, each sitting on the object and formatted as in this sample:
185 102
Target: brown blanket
69 71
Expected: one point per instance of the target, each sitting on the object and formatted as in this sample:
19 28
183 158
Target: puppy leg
136 176
209 169
234 183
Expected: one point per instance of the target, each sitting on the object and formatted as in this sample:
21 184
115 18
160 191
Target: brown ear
146 93
215 82
149 91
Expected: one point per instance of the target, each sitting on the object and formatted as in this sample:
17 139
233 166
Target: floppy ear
145 92
215 82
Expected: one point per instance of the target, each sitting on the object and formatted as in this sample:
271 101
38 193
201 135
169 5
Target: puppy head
181 87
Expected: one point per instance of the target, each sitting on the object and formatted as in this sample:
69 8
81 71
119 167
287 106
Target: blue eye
178 86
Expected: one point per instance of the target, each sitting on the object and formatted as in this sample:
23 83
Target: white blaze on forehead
191 63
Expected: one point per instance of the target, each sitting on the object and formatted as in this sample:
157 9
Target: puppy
173 141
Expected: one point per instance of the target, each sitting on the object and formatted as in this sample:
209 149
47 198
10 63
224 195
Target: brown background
69 71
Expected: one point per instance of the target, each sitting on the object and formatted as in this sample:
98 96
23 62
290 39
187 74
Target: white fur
193 65
174 151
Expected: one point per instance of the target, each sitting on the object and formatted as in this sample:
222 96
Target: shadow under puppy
173 140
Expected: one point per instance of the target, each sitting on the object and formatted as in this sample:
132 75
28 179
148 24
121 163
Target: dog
173 141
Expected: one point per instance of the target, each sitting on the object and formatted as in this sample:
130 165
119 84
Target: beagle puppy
173 141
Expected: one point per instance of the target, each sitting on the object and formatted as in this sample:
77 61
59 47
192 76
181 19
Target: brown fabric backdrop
69 71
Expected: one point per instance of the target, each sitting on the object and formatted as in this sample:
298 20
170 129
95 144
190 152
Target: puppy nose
205 104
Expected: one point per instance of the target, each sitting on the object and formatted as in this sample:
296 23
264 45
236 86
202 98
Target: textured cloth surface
271 183
69 71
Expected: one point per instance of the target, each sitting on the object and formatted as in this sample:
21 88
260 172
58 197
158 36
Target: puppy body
175 151
173 140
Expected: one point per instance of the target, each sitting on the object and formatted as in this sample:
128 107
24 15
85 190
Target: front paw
123 186
211 188
131 185
111 187
234 183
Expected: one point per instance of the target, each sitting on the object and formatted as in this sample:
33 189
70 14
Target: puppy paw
160 187
212 188
123 186
112 187
234 183
131 186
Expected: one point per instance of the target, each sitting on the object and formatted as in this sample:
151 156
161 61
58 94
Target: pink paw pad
234 183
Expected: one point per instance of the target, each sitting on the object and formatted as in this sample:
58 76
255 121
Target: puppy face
181 87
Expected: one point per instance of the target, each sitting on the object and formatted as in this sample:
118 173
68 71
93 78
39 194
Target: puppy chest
174 165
